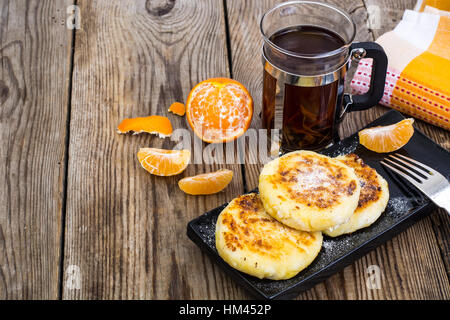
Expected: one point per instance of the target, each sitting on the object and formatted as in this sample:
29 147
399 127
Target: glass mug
308 48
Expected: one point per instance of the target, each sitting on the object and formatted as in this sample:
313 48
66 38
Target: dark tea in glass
307 51
308 112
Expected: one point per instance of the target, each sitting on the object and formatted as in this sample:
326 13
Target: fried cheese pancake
309 191
373 198
251 241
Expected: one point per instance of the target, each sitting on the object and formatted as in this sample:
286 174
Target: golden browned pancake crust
316 182
253 242
370 184
308 191
251 234
373 197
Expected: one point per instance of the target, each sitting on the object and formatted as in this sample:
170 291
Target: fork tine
409 172
430 170
400 173
411 166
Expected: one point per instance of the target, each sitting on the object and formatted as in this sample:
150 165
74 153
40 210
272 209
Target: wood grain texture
34 81
411 263
385 14
126 229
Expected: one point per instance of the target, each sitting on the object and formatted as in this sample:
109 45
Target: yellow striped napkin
418 76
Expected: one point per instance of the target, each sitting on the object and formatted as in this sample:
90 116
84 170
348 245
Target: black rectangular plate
406 206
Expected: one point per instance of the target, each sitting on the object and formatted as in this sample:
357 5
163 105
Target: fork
433 184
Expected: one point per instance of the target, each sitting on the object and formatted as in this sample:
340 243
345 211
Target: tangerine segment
153 124
177 108
162 162
219 110
387 138
207 183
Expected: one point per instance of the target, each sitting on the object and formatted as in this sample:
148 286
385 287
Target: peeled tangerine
390 138
219 110
162 162
207 183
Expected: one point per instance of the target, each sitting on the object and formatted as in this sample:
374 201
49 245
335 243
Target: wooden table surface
79 217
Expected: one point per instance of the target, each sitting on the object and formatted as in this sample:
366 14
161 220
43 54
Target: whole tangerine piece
219 110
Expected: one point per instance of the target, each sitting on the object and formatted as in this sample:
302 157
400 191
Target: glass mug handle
367 100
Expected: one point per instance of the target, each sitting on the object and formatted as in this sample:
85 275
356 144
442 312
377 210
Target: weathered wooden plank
404 261
34 81
126 229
